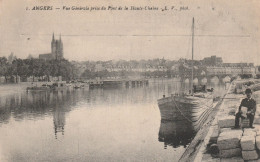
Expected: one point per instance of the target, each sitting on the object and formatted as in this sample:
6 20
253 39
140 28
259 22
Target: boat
193 107
106 84
96 84
38 87
61 85
78 86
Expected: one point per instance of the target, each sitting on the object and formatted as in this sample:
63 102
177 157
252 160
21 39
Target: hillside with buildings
49 66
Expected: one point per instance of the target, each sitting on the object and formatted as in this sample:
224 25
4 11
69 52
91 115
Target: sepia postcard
125 80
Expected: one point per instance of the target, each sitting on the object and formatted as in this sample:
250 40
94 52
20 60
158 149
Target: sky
222 28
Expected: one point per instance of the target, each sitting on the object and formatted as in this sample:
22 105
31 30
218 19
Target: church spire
53 37
60 37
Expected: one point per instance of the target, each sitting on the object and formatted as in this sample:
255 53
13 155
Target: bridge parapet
218 72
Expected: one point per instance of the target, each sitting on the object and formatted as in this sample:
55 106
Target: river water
122 124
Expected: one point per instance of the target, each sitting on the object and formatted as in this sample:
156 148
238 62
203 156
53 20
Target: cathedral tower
57 48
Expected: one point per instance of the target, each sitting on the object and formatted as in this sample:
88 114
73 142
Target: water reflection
58 120
175 134
37 105
116 124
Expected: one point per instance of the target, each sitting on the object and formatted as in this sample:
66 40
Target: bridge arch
226 79
203 81
195 81
214 79
187 80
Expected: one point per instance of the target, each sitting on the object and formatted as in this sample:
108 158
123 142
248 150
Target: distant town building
150 68
185 71
238 64
212 61
56 50
230 70
99 67
162 68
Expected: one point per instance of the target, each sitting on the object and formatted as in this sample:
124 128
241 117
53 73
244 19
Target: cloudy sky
227 29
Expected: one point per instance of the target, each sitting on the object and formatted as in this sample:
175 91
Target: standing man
250 103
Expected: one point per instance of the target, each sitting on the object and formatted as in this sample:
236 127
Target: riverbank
217 141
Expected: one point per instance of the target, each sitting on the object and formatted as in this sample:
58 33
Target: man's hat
248 90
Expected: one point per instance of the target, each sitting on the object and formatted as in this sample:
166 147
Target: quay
118 83
217 141
62 85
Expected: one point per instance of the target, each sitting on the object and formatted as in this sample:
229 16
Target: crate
245 123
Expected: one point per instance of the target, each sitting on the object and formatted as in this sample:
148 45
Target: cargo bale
230 153
258 160
249 132
257 140
233 159
248 143
208 158
226 122
229 139
257 121
250 155
258 133
225 129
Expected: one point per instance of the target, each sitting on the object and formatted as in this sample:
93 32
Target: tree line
34 67
37 68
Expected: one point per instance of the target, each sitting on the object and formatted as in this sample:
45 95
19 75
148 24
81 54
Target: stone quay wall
223 142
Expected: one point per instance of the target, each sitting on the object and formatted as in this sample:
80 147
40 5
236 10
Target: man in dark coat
250 103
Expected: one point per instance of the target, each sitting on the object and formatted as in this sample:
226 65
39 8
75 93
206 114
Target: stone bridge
203 75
